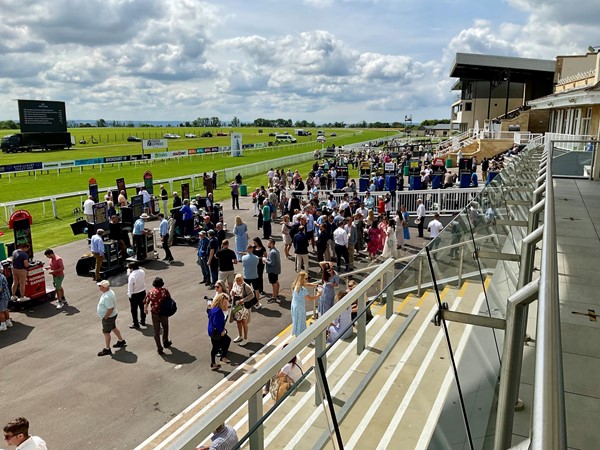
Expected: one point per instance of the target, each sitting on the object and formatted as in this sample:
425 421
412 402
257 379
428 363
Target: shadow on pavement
178 356
125 356
17 333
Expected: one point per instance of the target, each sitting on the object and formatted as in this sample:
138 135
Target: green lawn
48 231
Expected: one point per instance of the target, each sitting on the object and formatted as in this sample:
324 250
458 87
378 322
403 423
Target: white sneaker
238 339
3 326
13 297
9 323
243 342
24 299
59 305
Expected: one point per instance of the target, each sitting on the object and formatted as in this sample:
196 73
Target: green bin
2 251
448 163
243 190
406 171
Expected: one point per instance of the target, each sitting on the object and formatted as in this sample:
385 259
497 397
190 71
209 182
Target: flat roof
472 66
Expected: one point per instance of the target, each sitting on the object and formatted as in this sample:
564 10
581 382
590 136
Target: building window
585 122
468 106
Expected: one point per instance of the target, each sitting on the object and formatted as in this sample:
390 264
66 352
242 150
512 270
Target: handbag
279 386
234 310
216 334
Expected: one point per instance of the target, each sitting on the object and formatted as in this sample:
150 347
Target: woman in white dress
389 247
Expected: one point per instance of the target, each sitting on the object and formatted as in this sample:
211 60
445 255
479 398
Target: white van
285 138
320 133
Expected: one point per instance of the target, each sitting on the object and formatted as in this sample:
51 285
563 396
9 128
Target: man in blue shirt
188 218
139 246
250 271
97 248
203 257
164 237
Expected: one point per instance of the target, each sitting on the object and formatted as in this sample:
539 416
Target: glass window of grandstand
585 122
468 106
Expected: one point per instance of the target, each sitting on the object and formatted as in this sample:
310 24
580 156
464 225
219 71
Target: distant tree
101 123
235 122
130 124
9 125
215 122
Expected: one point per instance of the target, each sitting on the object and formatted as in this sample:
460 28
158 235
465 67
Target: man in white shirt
136 291
368 201
271 174
435 228
340 239
88 209
16 433
420 216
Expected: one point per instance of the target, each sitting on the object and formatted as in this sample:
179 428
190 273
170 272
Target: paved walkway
75 399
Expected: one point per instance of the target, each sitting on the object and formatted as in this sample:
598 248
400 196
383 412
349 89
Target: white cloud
323 60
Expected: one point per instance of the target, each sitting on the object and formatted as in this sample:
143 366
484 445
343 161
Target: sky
316 60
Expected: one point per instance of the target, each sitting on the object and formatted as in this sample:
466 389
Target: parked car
133 139
272 133
320 133
221 133
333 134
207 134
285 138
171 136
190 135
321 139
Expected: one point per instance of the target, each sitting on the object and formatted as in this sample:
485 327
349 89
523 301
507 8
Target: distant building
440 129
574 106
496 87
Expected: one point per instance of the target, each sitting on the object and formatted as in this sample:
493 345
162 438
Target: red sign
438 162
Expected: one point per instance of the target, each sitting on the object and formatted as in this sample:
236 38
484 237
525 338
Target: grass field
48 231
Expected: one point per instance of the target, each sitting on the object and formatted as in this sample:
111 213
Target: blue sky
319 60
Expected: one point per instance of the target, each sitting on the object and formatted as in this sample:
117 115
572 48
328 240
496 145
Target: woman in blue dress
240 231
405 223
330 280
299 297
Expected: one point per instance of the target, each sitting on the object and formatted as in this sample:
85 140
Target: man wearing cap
164 196
138 232
97 248
107 311
176 200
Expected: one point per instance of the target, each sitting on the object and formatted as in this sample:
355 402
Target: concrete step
406 390
345 372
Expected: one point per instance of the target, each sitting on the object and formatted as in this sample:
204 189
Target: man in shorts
227 259
57 270
107 311
20 264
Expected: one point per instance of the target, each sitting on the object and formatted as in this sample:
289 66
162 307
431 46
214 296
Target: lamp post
407 123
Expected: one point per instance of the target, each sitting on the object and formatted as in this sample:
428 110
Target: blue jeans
203 261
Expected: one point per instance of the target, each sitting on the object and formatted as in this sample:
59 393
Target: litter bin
340 182
243 190
363 184
406 171
449 163
2 251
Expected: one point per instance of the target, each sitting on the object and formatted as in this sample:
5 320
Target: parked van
320 133
286 138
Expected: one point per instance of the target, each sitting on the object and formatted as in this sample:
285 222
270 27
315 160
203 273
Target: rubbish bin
243 190
449 163
363 184
340 182
2 251
406 171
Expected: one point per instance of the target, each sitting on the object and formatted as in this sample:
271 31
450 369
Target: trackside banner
153 144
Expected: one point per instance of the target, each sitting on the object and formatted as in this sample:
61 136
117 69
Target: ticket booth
414 173
364 173
437 173
35 285
464 172
391 179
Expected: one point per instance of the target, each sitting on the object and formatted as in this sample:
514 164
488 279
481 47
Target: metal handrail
548 429
250 391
